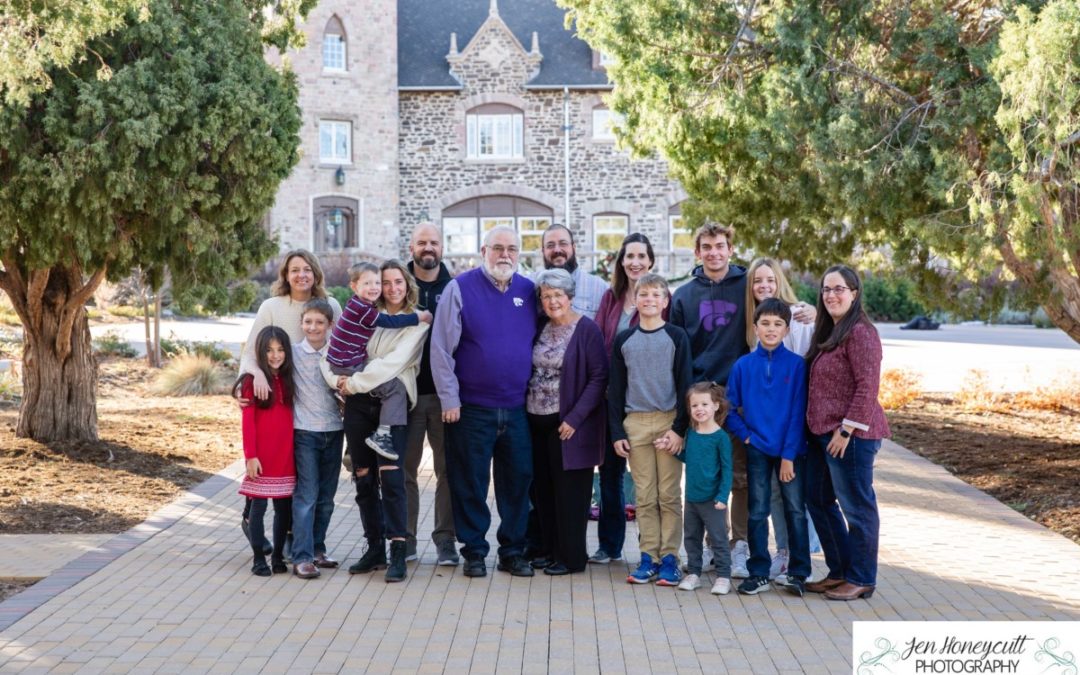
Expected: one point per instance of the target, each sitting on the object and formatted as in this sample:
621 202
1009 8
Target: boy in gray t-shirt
651 370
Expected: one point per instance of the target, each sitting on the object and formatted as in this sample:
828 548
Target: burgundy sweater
844 387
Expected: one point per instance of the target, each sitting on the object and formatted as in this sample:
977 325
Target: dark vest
494 355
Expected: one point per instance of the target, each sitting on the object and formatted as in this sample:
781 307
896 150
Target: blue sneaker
669 574
645 572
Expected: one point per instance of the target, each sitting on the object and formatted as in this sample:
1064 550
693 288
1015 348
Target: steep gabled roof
424 28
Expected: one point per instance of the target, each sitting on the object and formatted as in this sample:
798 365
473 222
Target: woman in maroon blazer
568 423
847 425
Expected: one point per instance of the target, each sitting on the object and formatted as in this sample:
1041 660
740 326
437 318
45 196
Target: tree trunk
59 394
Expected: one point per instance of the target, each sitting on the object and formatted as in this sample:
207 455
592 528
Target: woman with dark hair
616 314
847 425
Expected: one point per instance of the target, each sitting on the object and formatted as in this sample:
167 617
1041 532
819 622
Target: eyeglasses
501 250
837 290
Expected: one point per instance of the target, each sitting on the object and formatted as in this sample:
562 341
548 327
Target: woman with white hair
567 420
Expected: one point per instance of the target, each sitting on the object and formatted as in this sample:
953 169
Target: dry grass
977 396
899 387
192 375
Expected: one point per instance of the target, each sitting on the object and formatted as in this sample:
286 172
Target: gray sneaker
448 555
382 444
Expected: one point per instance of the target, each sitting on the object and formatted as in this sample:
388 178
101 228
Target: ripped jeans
380 492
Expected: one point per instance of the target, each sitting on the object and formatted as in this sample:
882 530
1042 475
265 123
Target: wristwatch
844 433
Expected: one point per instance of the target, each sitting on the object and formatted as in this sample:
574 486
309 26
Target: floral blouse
548 354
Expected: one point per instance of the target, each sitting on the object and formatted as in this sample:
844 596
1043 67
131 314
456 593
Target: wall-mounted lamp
336 216
339 176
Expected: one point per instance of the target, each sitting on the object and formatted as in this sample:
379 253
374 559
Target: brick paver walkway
176 595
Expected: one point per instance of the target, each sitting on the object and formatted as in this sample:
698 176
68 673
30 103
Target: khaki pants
657 482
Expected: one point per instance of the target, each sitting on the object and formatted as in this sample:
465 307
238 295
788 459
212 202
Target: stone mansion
468 114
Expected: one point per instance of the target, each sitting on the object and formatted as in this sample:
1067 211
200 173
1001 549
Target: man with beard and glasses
559 253
481 362
425 419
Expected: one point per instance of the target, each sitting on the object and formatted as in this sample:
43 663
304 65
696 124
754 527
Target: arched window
333 46
335 224
609 229
465 223
495 131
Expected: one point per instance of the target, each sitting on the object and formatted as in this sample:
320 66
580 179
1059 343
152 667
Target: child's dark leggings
282 525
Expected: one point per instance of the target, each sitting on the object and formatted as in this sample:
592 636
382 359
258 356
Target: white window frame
531 230
331 134
609 223
465 234
334 51
604 121
495 136
676 227
606 59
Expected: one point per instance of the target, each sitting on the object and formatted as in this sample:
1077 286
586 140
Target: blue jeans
611 526
836 484
482 440
318 466
760 470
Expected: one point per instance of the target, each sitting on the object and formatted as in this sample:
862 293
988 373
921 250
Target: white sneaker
690 582
779 565
739 555
722 586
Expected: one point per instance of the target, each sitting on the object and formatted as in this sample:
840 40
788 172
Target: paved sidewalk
176 595
33 556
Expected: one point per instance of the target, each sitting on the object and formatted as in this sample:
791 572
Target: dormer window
495 131
334 46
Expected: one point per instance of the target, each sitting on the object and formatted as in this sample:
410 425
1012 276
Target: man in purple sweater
481 360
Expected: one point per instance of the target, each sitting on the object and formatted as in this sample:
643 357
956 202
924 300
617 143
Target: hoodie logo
716 313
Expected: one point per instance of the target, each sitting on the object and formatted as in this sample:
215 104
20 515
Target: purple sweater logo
716 313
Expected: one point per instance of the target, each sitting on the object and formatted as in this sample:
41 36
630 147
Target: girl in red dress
268 446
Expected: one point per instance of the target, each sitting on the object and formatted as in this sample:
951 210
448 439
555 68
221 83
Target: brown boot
823 585
848 592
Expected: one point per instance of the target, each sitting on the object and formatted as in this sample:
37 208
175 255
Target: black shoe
754 585
475 567
396 570
278 566
373 559
796 585
556 569
516 565
542 562
260 568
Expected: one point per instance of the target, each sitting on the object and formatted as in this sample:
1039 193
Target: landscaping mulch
1026 459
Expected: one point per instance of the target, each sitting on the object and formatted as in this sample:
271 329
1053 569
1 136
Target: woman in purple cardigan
568 423
847 425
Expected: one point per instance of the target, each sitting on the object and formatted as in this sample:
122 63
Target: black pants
562 496
379 494
282 525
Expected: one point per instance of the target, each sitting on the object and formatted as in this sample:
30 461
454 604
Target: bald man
425 419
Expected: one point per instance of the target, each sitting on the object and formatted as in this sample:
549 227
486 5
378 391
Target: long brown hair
412 295
716 392
619 281
828 335
783 291
281 286
285 372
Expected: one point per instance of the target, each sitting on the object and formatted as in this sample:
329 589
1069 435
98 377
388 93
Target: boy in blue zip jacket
767 392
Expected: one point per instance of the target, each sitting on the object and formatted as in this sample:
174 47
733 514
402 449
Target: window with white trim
609 229
466 223
682 237
335 142
333 46
604 121
606 59
532 232
495 131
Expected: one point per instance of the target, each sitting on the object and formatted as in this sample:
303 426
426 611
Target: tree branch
74 305
35 295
